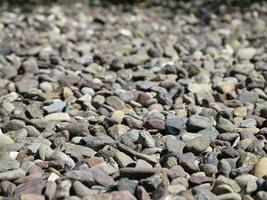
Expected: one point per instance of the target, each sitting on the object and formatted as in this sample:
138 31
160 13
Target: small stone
224 180
101 177
246 53
58 155
224 125
174 125
174 145
5 140
34 111
127 184
243 180
85 176
240 112
74 149
35 186
80 189
197 145
50 189
11 175
260 168
195 87
226 87
248 97
263 112
123 160
155 124
117 116
55 107
7 164
197 123
32 197
222 189
136 173
57 117
97 142
210 132
209 169
13 125
118 130
175 189
121 195
261 195
46 86
115 102
30 65
230 196
8 188
26 85
63 189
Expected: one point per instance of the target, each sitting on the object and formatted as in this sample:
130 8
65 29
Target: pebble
260 167
46 87
174 125
55 107
195 87
197 145
12 175
57 117
123 160
197 123
246 53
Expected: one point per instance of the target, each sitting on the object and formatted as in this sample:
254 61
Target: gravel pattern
139 102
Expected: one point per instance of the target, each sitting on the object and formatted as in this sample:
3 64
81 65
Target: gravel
146 101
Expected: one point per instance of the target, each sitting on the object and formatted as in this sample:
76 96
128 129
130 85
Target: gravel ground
139 102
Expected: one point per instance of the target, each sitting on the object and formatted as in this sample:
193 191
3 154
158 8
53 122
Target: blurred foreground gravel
137 102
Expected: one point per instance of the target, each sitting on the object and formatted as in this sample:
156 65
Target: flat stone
85 176
11 175
26 85
244 179
55 107
174 145
260 168
246 53
195 87
248 97
7 164
115 102
74 149
197 145
197 123
210 132
123 160
32 187
118 130
58 155
32 197
136 173
57 117
224 180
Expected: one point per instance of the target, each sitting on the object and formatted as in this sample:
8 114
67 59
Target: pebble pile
138 103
